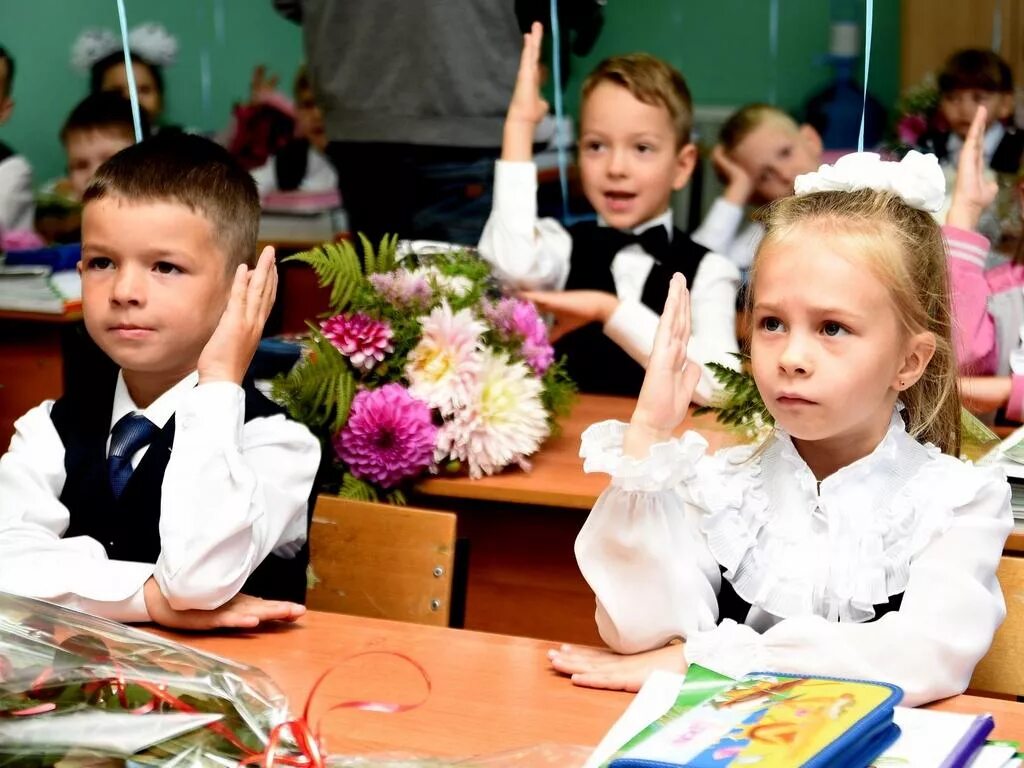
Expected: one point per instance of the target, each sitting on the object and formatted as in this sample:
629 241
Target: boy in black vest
606 282
168 491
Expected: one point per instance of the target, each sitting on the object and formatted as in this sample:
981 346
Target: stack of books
41 280
1009 455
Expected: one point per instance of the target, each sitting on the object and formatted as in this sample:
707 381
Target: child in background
607 282
301 163
99 53
853 542
760 152
988 305
99 127
970 79
16 198
170 491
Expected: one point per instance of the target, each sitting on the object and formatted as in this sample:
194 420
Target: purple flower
360 338
910 128
389 436
402 288
519 318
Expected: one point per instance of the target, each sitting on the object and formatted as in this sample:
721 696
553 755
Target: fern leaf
357 490
369 260
337 266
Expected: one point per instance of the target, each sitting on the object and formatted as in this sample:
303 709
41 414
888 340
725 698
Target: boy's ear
812 139
918 353
6 107
1004 107
686 161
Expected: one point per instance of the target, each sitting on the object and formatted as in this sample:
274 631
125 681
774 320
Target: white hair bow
150 41
917 179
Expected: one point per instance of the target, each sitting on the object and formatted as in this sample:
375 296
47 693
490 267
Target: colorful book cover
769 721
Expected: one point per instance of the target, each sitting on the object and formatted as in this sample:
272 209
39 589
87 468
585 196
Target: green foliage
318 392
357 490
338 266
559 395
739 404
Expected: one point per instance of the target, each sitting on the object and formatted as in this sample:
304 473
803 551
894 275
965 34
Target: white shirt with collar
233 492
17 199
812 561
989 144
724 231
528 253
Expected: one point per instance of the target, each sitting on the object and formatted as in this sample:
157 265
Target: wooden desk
490 693
34 347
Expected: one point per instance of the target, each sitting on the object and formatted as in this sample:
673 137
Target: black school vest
5 152
732 606
595 362
128 527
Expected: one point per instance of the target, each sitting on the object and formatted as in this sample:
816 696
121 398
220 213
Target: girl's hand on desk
229 351
573 309
670 380
592 668
241 611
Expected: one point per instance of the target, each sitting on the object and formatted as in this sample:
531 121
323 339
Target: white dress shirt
320 175
17 202
233 491
528 253
723 231
811 562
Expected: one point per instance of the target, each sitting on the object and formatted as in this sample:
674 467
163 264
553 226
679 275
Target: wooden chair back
1002 669
381 561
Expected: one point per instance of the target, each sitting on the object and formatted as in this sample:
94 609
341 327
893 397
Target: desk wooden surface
490 693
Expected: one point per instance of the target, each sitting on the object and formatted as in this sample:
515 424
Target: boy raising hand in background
606 282
169 491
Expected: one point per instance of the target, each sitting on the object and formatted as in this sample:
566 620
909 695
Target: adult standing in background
414 94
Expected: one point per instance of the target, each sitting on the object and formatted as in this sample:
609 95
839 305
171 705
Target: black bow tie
654 240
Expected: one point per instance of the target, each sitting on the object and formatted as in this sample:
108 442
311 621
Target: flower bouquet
422 366
914 117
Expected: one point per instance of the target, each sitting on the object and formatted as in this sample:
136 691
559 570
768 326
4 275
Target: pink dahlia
360 338
519 318
389 436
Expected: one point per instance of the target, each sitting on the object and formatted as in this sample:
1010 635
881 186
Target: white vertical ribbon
129 70
868 24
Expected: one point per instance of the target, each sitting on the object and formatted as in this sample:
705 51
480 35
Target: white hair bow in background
150 41
917 179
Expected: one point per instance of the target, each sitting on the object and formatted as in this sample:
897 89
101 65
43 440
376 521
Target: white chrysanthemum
455 286
444 368
504 424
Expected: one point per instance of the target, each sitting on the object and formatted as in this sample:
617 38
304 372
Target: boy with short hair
170 491
17 205
607 282
99 127
971 78
760 152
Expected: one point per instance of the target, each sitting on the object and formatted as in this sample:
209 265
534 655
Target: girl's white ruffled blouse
811 561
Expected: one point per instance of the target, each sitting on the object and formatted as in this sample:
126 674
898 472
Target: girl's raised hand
670 380
973 192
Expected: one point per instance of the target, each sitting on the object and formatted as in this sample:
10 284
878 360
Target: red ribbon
308 742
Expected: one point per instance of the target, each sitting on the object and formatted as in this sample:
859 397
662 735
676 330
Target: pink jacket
980 347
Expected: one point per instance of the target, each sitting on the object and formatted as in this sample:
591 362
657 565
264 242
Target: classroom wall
722 46
234 34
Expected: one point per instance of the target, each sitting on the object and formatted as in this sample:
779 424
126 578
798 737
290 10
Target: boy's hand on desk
573 309
670 379
738 184
973 191
527 108
592 668
229 351
241 611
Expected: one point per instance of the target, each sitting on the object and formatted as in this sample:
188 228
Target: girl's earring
901 383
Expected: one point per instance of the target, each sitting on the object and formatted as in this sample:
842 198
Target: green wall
722 46
39 33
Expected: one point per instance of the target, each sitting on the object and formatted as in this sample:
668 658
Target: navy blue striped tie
130 433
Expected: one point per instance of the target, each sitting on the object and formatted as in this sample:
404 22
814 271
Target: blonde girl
854 542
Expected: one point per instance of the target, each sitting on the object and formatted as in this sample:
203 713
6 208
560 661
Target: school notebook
773 721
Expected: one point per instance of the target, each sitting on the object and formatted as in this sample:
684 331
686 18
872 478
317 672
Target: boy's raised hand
241 611
229 351
973 192
527 108
670 379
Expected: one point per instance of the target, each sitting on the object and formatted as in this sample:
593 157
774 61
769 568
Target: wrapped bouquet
422 366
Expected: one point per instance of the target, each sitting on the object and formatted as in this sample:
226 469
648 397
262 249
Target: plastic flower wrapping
422 366
78 691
